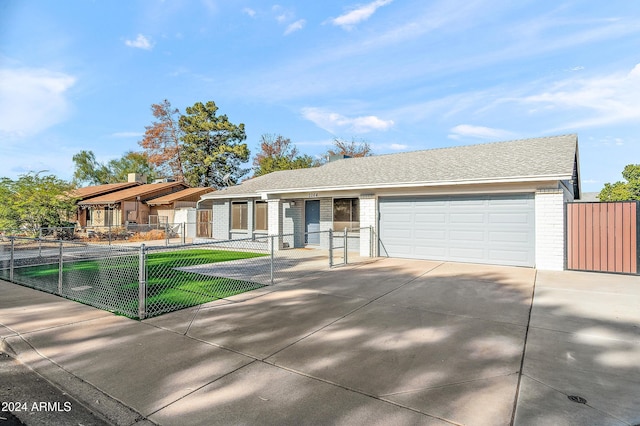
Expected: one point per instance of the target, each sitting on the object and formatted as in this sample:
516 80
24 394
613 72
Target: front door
312 222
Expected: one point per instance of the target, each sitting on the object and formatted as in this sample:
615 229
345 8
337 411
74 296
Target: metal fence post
60 266
184 233
272 258
12 258
371 246
330 248
346 239
166 234
142 283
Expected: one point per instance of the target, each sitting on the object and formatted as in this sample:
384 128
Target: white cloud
384 147
398 146
141 42
32 100
296 26
601 100
282 15
249 11
480 132
334 122
362 13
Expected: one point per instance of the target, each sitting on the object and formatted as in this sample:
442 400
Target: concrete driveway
388 342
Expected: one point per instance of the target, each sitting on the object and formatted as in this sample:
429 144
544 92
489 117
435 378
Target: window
261 216
346 213
239 215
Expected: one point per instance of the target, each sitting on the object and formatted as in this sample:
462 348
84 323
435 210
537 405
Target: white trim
266 193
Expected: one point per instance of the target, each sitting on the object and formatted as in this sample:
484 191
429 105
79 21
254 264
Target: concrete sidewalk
389 342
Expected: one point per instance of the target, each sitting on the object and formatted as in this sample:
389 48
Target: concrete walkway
389 342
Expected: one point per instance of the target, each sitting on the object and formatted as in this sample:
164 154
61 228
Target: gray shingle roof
525 159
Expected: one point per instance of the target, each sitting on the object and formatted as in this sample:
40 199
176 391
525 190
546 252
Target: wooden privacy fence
603 236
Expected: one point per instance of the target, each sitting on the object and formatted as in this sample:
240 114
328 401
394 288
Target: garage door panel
430 235
435 218
467 237
507 201
465 254
515 256
435 203
468 203
496 229
509 237
474 218
399 234
506 218
434 253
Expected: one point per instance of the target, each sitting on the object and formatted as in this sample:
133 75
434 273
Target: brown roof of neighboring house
142 191
95 190
189 194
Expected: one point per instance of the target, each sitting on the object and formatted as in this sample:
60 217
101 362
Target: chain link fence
145 281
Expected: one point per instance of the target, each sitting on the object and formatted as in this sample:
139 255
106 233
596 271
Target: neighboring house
85 193
180 208
126 206
590 196
497 203
165 208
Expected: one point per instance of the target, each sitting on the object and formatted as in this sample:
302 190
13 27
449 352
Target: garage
492 229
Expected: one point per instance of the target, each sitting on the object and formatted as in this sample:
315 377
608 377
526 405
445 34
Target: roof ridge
442 148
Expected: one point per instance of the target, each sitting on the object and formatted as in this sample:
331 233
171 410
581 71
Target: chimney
337 157
137 177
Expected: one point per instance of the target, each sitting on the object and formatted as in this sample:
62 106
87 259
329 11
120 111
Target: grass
112 283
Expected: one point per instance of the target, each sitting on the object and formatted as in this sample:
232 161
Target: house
180 208
127 205
166 208
496 203
85 193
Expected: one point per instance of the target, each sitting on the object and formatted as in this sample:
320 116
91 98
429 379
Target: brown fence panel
203 219
603 236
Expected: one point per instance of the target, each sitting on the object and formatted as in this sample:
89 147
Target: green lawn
112 283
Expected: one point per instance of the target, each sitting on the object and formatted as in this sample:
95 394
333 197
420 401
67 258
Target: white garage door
493 229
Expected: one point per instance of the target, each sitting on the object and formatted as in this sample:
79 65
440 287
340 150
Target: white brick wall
293 222
326 220
550 241
221 220
274 213
367 218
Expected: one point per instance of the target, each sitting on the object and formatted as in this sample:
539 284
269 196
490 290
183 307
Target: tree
89 171
212 148
278 153
623 191
131 162
34 201
161 141
350 149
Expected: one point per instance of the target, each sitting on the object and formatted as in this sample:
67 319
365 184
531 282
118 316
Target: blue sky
402 75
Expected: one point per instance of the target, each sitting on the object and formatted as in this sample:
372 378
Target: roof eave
516 179
545 178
